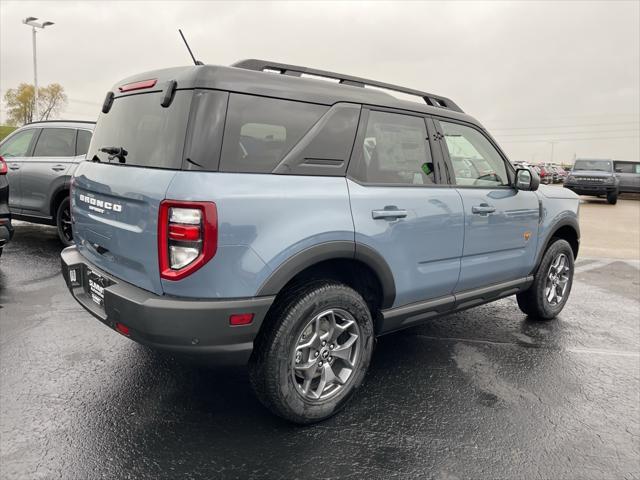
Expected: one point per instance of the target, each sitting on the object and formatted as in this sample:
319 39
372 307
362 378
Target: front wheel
63 222
612 198
551 287
312 357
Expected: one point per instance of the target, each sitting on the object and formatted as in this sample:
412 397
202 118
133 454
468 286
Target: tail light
3 166
187 237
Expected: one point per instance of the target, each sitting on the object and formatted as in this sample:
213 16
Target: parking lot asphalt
608 230
485 393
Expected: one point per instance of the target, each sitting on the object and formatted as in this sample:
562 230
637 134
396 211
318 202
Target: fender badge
527 235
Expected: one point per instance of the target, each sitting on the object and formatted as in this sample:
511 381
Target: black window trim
356 153
511 173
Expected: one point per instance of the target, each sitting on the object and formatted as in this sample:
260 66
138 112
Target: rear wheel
551 287
63 222
310 360
612 198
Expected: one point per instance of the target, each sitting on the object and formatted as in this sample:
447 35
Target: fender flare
563 222
332 251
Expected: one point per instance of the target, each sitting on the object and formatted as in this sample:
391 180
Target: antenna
197 62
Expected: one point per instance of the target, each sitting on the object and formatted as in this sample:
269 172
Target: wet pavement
481 394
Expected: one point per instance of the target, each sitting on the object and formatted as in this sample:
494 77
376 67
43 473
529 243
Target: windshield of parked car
599 165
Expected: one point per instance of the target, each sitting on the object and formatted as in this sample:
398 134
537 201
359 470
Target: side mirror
527 180
618 170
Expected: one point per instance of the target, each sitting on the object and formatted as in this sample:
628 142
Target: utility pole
31 21
553 142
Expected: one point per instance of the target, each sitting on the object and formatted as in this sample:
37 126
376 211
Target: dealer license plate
96 285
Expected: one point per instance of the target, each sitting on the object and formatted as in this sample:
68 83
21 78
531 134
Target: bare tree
51 99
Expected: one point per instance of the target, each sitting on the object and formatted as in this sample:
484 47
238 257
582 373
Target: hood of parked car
556 192
590 173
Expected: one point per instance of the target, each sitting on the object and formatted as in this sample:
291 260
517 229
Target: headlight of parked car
610 180
570 178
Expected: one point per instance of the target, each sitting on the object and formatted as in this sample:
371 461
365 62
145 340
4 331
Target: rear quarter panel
262 220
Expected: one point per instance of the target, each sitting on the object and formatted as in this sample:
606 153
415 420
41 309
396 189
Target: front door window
475 161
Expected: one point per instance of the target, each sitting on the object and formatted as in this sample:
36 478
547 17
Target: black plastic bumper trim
188 326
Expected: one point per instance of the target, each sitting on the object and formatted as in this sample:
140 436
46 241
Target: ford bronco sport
284 217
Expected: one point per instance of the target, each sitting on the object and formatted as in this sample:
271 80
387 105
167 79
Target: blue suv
283 217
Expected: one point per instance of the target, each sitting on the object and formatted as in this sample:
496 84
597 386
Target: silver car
41 158
629 175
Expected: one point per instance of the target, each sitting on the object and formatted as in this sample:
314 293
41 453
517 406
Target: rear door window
18 144
152 135
56 142
395 151
259 131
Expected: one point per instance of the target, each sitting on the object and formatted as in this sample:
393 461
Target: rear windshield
601 165
153 136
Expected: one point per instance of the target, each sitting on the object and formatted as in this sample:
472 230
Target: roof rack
59 121
297 71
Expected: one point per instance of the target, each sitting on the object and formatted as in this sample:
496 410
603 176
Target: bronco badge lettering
100 205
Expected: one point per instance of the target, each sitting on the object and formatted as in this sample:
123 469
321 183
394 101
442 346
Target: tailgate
115 214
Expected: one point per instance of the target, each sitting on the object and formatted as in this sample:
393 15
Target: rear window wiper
115 152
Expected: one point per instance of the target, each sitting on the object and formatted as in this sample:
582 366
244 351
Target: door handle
389 213
483 209
14 166
58 168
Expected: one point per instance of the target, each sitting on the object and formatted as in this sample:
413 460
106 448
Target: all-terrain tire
63 222
535 301
272 363
612 198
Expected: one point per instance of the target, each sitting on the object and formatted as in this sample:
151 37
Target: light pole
31 21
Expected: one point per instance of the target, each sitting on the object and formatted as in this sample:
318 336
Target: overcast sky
533 72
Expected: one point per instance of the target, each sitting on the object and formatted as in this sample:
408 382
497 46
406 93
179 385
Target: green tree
20 103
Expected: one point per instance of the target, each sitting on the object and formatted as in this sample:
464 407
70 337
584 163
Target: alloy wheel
326 354
65 224
557 280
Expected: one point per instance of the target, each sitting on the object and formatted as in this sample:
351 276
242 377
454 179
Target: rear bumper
591 189
192 327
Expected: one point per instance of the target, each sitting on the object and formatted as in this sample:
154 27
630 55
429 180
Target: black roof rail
59 121
297 71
